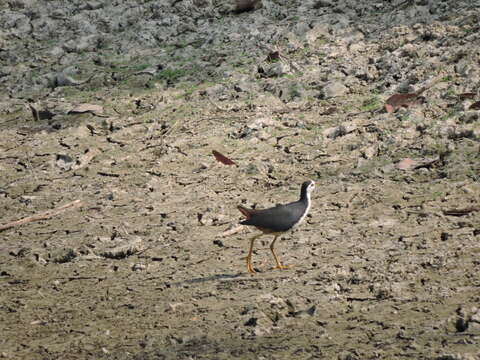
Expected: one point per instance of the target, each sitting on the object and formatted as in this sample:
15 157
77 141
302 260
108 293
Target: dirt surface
114 108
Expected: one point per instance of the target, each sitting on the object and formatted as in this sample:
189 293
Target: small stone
370 152
216 91
469 116
277 69
461 324
334 89
64 162
219 243
263 135
319 30
355 47
139 267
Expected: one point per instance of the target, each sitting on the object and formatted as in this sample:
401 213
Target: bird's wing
278 218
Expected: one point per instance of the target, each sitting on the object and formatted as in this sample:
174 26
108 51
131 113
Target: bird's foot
250 268
282 267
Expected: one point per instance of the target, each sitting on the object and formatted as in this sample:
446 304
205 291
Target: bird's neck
305 197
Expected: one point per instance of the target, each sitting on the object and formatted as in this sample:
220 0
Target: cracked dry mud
150 264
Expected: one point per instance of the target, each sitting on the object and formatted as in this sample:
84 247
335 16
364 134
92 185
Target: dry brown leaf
460 212
389 108
475 106
83 108
222 158
397 101
411 164
406 164
468 95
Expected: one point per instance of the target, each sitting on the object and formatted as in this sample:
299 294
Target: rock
409 50
261 325
346 355
218 91
322 4
262 122
370 152
470 116
356 47
64 162
62 256
334 89
461 324
301 28
318 31
353 37
277 69
456 357
126 249
463 68
338 131
57 51
138 267
219 243
244 86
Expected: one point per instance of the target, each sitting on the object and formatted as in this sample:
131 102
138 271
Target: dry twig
42 216
232 231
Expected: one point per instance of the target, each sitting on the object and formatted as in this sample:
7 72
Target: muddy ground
114 110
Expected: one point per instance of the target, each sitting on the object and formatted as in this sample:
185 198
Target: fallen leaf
475 106
83 108
397 101
406 164
460 212
468 95
389 108
222 158
411 164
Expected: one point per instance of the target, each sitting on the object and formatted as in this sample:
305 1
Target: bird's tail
246 212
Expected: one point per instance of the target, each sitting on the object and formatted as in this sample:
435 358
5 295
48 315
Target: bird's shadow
205 279
227 278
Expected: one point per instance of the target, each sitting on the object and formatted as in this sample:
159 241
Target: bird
277 220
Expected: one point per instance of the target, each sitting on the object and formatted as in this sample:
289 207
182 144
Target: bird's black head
307 188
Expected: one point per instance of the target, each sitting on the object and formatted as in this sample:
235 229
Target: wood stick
231 231
273 278
86 158
41 216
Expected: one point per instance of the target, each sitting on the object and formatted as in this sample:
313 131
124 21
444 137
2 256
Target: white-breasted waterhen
277 220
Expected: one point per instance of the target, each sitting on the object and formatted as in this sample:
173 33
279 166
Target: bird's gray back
279 218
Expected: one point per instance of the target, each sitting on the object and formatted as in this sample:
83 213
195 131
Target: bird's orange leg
277 260
249 256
